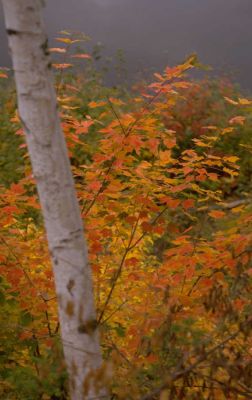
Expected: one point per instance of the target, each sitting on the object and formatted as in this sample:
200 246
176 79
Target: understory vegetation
163 173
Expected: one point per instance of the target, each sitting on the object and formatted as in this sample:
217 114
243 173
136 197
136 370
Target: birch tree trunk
51 169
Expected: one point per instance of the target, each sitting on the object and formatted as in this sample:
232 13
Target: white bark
51 169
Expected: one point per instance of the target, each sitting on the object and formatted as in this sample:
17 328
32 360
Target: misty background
157 33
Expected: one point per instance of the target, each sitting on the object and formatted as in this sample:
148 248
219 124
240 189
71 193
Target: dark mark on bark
27 130
70 286
11 32
70 309
44 47
89 327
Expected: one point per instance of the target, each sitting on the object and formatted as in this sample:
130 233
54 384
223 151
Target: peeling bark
51 169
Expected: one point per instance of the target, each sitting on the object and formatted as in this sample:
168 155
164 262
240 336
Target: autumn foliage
168 222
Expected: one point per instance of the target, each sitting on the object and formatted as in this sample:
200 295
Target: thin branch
114 312
182 372
119 270
145 108
31 283
126 134
100 189
121 354
151 223
117 116
246 392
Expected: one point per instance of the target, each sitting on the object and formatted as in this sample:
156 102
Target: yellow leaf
62 66
211 127
64 40
68 41
230 171
231 159
165 156
244 102
70 107
227 130
237 210
200 143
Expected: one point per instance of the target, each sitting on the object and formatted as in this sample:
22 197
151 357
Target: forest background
163 173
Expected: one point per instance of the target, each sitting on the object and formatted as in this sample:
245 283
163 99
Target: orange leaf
81 56
94 104
172 203
57 50
239 120
62 66
216 214
95 185
84 126
153 144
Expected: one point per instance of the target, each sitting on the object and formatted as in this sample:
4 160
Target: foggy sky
156 33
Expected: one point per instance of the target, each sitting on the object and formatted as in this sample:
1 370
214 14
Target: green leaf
120 330
26 318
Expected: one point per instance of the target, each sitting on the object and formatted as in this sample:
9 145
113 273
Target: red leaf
188 204
131 261
146 226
